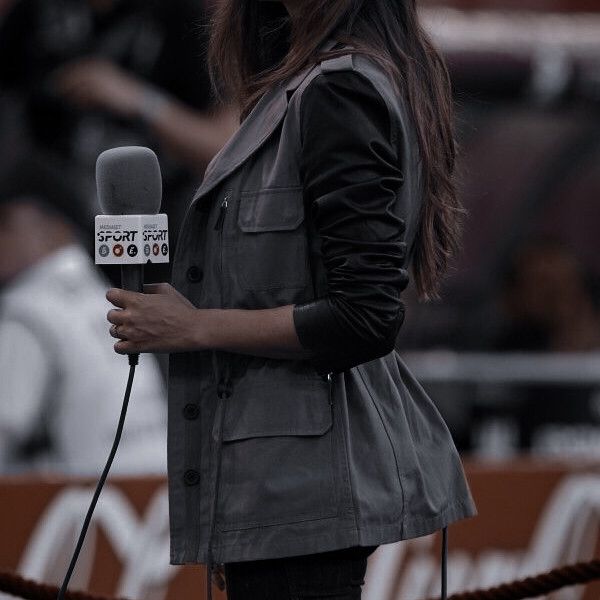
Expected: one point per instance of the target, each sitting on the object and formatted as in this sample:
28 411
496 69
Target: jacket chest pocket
271 249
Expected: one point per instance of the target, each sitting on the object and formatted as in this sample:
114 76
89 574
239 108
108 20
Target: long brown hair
254 45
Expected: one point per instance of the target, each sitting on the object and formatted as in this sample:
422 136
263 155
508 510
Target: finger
168 289
116 316
117 297
122 298
118 332
125 347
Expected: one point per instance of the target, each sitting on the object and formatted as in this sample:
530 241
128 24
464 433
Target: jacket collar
258 126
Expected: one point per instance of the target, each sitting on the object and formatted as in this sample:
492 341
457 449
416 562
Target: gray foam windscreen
128 181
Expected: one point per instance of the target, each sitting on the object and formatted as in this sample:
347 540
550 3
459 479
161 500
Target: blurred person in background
90 75
548 301
61 384
4 6
549 306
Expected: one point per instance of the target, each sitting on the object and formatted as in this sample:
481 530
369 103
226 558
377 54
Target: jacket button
194 274
191 411
223 391
191 477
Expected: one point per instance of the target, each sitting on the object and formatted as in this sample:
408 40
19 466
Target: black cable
133 361
444 563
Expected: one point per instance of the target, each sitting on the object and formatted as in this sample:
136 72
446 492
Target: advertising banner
533 516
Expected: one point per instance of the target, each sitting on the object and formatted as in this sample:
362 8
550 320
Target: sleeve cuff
313 324
318 332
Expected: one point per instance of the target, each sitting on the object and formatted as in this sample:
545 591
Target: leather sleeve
351 174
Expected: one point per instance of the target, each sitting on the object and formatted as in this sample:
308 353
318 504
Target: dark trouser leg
335 575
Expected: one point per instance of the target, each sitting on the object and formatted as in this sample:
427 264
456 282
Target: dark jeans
335 575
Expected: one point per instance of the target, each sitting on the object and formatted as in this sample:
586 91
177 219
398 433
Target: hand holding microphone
158 321
129 189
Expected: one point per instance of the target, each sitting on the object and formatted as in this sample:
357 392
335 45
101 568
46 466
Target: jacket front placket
255 131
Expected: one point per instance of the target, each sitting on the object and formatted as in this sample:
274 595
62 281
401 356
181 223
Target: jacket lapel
253 132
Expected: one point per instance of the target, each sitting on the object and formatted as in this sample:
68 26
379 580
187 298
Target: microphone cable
444 557
133 361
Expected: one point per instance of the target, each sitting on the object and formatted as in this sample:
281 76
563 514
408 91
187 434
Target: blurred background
510 354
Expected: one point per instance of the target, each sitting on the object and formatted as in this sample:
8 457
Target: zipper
329 378
219 225
223 377
192 208
222 212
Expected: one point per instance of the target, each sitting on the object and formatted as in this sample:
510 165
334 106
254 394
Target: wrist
204 330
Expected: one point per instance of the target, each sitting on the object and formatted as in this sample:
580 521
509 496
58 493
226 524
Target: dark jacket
271 458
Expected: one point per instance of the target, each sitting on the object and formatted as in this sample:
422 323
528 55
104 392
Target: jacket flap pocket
272 410
273 209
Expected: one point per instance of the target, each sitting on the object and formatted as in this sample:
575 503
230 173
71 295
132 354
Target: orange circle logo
118 250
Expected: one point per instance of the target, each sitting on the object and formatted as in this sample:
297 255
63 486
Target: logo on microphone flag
133 239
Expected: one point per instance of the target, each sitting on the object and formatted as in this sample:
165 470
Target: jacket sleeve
351 175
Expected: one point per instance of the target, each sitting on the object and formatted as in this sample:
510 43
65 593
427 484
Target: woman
298 439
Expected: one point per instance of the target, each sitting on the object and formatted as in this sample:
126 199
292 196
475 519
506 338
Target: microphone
130 233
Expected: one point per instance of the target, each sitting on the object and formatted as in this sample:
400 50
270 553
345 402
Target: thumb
167 289
158 288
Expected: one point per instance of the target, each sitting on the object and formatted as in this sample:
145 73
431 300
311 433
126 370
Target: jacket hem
411 526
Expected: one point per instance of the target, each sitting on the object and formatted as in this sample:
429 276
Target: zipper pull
223 211
330 382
